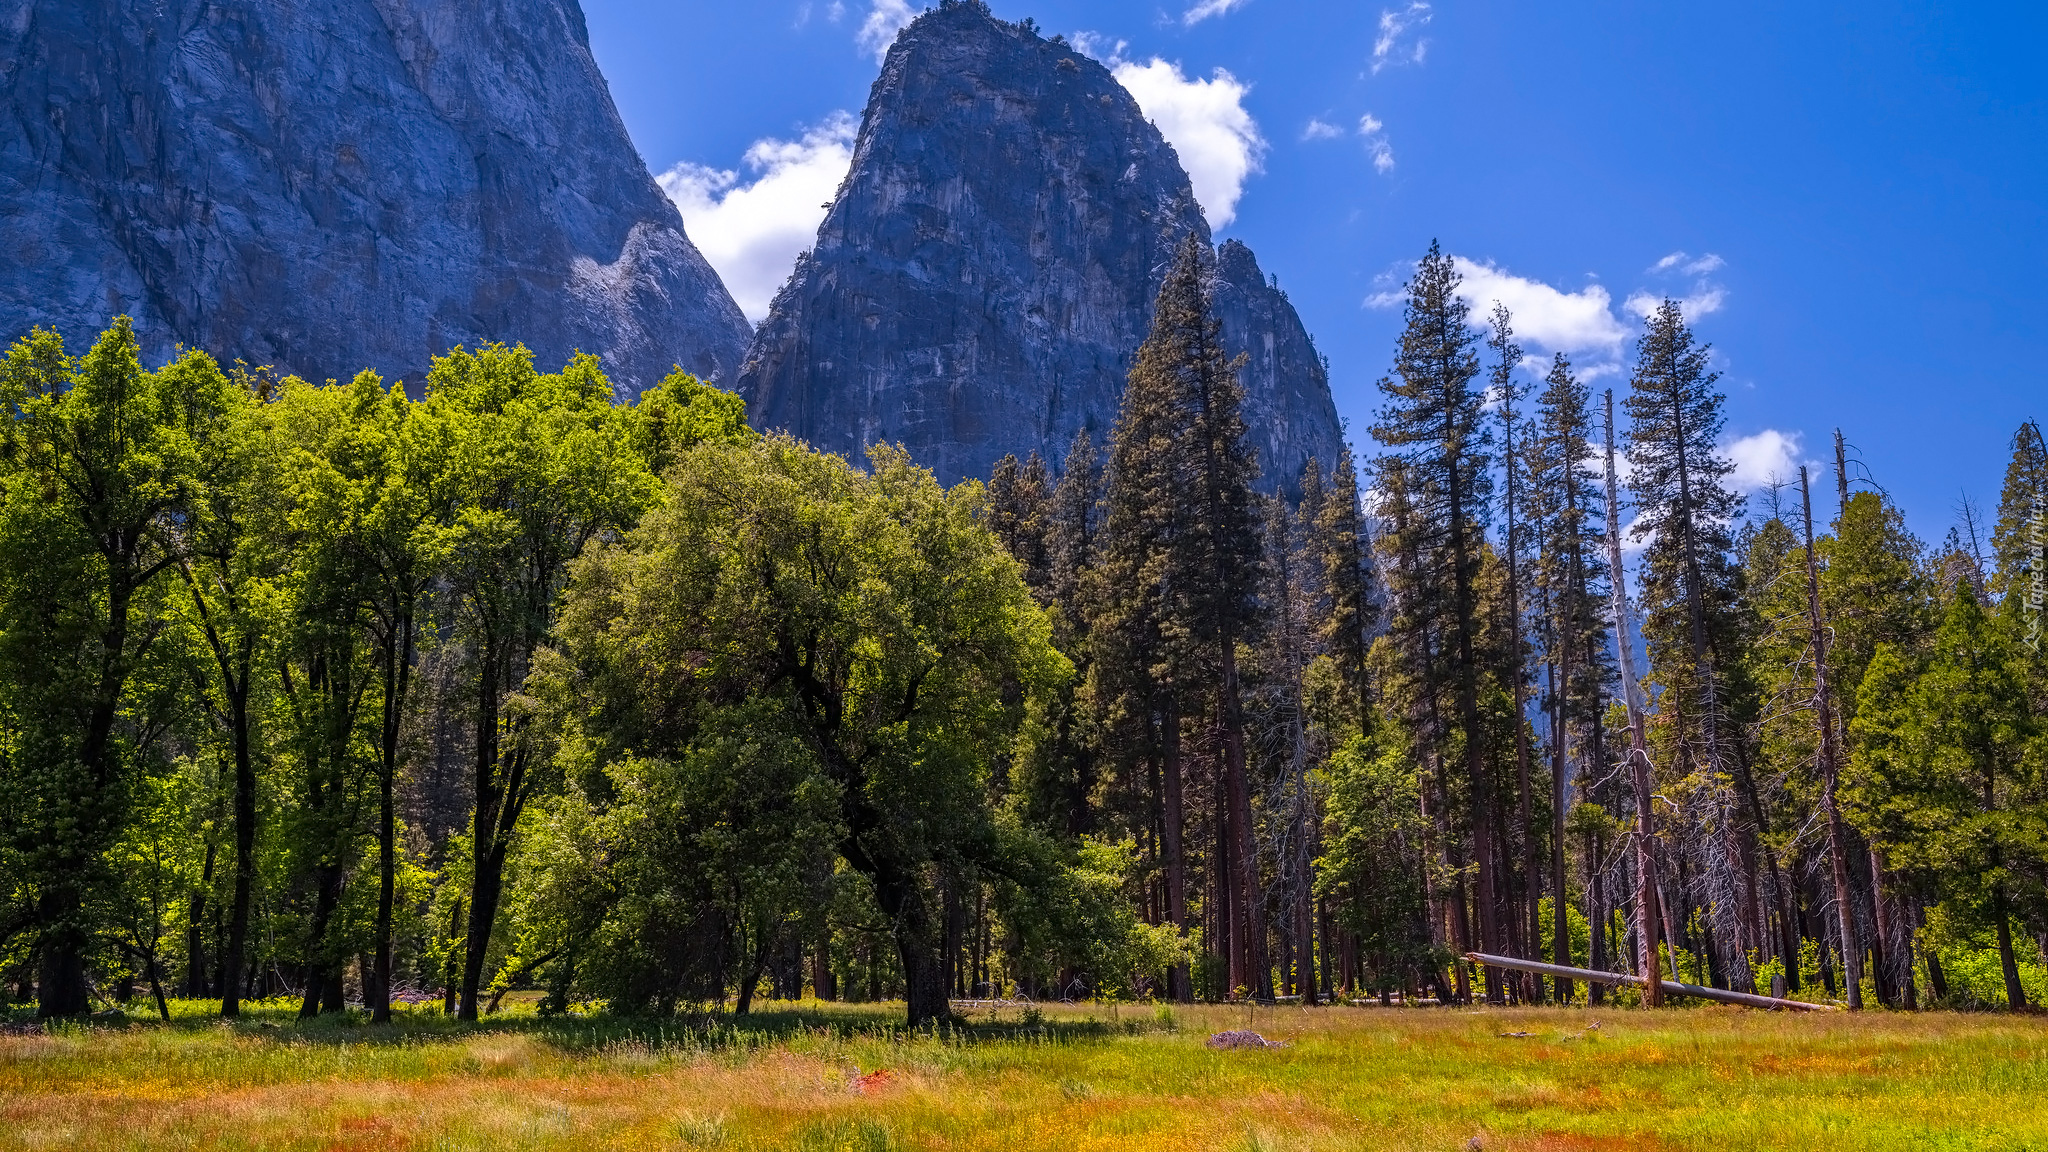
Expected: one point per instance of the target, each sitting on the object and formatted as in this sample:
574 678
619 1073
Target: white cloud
1096 46
1206 122
1545 317
1208 8
752 231
1376 145
1691 267
1387 47
885 19
1767 457
1705 299
1318 130
1706 296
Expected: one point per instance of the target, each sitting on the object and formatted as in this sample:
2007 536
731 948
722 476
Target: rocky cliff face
987 271
338 185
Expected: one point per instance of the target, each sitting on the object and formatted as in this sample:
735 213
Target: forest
383 701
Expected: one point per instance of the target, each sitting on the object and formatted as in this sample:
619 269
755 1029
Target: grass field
833 1077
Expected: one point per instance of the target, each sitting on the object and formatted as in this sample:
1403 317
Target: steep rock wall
984 277
332 186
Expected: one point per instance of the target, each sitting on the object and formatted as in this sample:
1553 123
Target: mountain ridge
983 278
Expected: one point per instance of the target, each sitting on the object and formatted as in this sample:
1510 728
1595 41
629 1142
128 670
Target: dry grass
831 1077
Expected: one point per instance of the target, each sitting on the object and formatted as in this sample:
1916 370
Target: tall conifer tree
1507 392
1690 585
1565 510
1434 426
1215 555
1349 614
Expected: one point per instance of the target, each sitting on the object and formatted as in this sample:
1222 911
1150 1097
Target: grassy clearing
835 1078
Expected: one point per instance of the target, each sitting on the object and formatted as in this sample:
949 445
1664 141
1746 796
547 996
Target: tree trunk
2015 995
1247 968
1882 962
1172 829
752 974
824 985
156 988
1937 980
919 938
500 794
486 888
1638 752
449 982
318 970
60 987
377 977
1560 918
1596 942
245 861
397 676
195 929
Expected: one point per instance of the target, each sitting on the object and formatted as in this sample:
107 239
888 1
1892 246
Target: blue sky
1853 197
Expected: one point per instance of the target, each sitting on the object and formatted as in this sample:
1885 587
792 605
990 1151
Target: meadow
831 1077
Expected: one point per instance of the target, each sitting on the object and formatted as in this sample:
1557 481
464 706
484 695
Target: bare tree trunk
1596 943
1638 752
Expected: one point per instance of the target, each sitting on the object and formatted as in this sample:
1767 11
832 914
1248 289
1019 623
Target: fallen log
1669 987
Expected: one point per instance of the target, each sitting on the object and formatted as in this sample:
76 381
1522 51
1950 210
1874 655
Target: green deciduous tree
891 633
545 465
102 462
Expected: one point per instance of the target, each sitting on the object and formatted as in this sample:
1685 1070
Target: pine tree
1648 902
1783 737
1289 601
1942 774
1435 430
1072 521
1690 589
1830 758
1214 557
1410 677
1349 614
1565 510
2021 531
1017 496
1141 675
1507 391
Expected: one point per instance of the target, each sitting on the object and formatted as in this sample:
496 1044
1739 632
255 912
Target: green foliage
1373 859
103 461
1946 770
870 614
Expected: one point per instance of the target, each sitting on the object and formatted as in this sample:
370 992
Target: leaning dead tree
1660 989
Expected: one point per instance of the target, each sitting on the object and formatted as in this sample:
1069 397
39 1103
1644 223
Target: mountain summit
982 282
338 185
